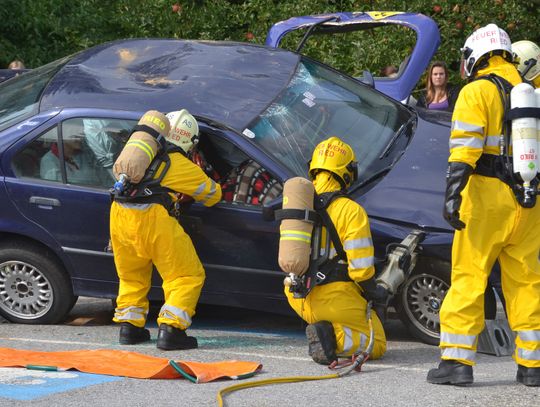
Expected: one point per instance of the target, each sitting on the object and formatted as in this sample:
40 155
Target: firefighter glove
457 176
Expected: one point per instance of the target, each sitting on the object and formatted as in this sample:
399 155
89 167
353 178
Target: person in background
16 64
439 94
389 71
80 166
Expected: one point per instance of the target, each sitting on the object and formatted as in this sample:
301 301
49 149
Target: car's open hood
412 192
428 40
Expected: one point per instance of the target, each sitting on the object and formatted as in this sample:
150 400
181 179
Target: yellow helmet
528 54
338 158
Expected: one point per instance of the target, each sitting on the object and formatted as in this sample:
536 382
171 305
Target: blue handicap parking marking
23 384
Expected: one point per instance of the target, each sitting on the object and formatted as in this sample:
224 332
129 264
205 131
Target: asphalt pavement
276 342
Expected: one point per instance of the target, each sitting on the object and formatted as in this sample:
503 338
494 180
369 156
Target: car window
80 151
354 52
20 96
319 103
242 180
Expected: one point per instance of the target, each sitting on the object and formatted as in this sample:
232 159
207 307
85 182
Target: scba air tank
524 135
295 234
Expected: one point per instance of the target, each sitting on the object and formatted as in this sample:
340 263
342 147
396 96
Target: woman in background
439 94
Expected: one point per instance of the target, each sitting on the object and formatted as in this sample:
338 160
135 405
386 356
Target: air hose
355 363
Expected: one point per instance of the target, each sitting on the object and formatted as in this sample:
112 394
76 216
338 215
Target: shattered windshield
319 103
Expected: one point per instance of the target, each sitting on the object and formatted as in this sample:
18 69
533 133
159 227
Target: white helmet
525 51
482 44
184 129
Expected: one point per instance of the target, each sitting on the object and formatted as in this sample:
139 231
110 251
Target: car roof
227 82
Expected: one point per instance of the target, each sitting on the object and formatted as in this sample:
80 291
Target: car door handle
40 200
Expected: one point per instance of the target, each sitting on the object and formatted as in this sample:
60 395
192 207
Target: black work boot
171 338
451 372
529 376
322 342
131 335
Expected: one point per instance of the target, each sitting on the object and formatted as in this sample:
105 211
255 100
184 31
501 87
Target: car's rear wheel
34 287
420 300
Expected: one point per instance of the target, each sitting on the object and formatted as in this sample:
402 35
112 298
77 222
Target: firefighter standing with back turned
336 310
486 206
143 233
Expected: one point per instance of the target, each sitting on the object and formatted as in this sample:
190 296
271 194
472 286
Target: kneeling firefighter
335 308
144 231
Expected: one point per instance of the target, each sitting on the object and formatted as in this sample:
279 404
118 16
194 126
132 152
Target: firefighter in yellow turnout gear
490 223
143 233
336 311
528 57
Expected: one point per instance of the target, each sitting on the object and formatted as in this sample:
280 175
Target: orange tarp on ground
128 364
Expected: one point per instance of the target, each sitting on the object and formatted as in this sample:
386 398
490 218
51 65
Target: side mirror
270 208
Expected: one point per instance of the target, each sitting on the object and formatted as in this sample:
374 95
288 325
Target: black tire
34 287
420 298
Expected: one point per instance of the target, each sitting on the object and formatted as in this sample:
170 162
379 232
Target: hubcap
25 292
422 297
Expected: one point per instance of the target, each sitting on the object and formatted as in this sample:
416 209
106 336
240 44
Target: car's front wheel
34 287
420 300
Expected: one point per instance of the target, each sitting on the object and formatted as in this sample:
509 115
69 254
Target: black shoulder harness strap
502 166
149 189
322 202
504 87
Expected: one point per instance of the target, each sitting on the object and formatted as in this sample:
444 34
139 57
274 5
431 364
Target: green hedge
39 31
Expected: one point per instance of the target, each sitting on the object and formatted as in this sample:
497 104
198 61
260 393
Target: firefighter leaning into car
144 233
485 202
336 309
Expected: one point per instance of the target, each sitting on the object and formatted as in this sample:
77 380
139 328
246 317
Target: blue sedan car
261 110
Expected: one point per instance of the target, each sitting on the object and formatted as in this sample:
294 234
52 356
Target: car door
60 182
238 248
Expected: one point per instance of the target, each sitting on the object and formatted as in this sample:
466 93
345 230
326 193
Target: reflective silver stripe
130 314
211 193
472 142
492 141
361 262
527 336
362 345
134 205
458 353
473 128
200 189
529 354
457 339
348 341
358 243
168 311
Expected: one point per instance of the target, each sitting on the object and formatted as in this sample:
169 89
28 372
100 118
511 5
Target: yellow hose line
264 382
